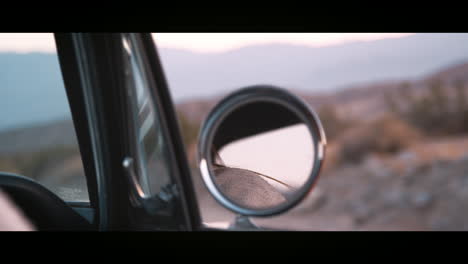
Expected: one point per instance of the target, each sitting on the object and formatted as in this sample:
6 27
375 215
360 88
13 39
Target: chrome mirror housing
261 150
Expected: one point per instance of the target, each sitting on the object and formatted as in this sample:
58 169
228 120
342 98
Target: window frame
183 212
93 67
164 104
74 88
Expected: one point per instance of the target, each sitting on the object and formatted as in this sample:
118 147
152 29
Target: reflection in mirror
282 155
265 167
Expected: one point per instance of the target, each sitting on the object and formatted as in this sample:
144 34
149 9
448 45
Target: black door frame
92 65
166 106
75 94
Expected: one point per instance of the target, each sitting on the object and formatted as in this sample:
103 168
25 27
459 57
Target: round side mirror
260 151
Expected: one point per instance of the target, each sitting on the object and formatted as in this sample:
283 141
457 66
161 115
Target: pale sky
201 42
218 42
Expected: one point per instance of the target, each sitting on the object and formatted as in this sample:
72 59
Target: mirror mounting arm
152 204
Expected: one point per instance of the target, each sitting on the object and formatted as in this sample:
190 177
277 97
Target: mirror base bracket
243 223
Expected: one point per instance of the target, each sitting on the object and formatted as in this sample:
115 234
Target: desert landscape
386 168
395 113
389 164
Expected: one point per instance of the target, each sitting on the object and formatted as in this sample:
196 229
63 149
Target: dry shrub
333 123
386 135
331 160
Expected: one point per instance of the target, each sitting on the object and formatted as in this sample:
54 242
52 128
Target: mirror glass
262 155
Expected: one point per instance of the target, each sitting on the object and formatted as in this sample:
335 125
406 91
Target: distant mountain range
32 92
311 69
359 101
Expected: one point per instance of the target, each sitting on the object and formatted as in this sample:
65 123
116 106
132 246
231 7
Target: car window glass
37 135
150 149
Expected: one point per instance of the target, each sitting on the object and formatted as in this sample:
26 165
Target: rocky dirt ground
424 187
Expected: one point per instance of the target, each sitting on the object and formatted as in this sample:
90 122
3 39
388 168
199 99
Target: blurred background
394 108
